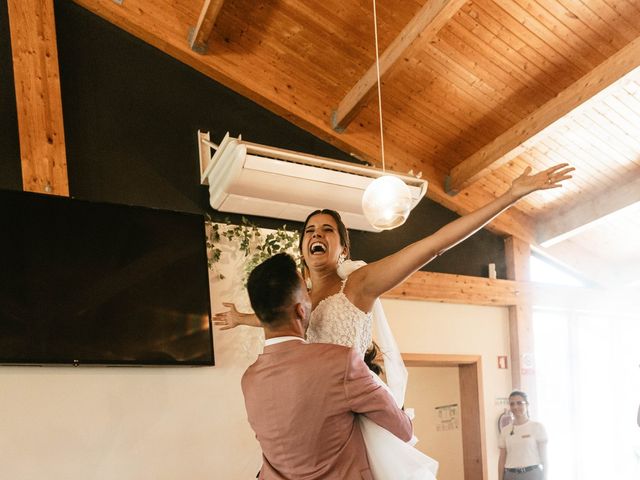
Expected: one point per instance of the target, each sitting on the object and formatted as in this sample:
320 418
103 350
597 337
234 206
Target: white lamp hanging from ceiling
386 203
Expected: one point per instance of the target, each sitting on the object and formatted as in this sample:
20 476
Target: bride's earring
341 259
306 277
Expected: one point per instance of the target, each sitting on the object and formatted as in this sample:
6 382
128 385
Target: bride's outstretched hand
229 319
549 178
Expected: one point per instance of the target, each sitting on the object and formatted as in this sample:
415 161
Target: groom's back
299 404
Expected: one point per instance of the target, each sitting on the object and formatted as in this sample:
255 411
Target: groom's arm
367 397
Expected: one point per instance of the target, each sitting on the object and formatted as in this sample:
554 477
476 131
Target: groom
302 399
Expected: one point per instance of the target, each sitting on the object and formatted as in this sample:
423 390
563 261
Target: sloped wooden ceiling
478 72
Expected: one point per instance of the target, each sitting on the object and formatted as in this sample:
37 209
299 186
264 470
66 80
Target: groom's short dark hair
272 286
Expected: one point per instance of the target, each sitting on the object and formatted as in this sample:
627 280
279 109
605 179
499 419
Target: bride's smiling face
321 242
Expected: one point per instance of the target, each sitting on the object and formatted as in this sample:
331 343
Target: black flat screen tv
85 283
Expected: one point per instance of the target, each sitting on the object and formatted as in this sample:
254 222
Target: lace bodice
336 320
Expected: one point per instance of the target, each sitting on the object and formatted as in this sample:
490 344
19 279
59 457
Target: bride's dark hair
370 357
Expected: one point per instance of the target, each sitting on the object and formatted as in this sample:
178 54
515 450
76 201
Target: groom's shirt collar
276 340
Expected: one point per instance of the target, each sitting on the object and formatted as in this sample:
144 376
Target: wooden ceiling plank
571 221
582 151
629 135
38 99
471 83
625 8
510 60
542 62
429 112
577 154
604 156
616 150
577 28
589 127
425 24
475 59
569 144
618 21
478 93
512 142
629 132
519 28
469 126
538 28
617 38
199 35
619 105
540 9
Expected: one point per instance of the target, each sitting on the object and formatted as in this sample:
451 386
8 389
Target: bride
345 303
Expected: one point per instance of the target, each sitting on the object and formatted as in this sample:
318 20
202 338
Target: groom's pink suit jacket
302 400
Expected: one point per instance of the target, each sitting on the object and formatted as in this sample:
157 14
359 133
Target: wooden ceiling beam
38 99
425 25
517 138
448 288
199 35
571 221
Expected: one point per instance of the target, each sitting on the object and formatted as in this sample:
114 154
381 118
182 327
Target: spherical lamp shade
386 202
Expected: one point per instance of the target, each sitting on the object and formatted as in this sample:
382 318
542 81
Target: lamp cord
375 30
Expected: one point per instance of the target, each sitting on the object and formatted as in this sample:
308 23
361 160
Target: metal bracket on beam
200 48
334 122
447 187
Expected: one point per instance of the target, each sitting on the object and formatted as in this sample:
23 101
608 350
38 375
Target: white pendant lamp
386 203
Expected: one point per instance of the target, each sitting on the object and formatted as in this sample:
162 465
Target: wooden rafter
512 142
199 35
425 24
571 221
38 100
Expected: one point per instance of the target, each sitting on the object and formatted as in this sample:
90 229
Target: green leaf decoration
248 239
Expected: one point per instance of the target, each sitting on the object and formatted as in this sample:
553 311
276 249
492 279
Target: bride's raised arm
373 280
232 318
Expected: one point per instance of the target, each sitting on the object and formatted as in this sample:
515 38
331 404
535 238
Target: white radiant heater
254 179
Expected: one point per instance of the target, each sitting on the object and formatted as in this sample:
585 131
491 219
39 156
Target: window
588 376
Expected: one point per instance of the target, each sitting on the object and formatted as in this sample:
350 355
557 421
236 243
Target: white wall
424 327
98 423
126 423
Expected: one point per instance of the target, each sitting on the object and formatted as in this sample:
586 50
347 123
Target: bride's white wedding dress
336 320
